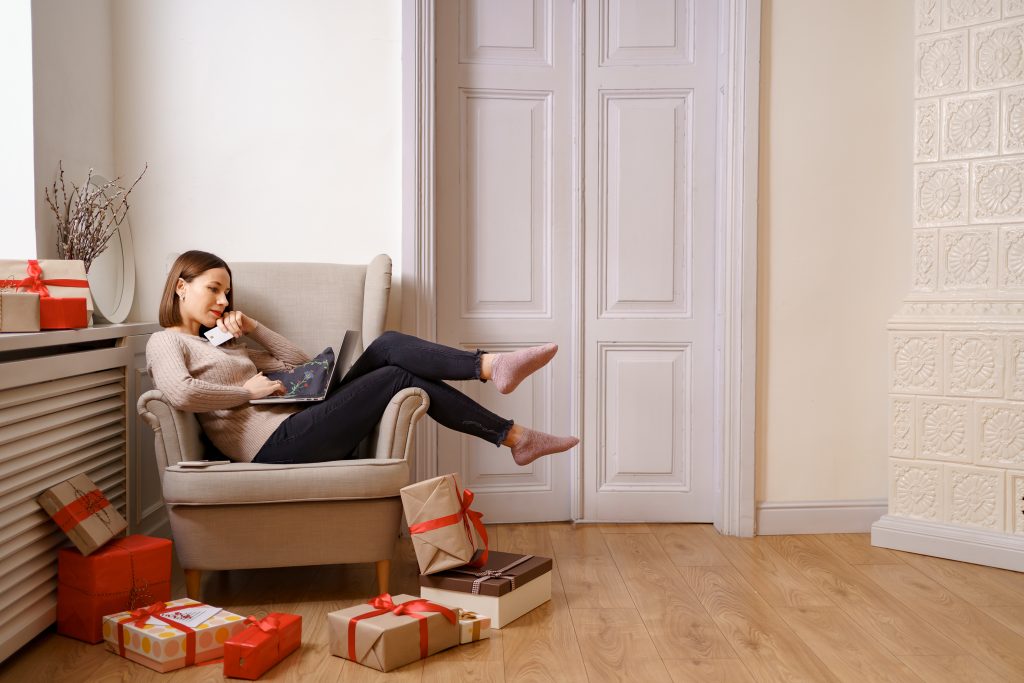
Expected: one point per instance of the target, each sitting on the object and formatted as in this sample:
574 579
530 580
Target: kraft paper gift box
392 631
19 312
473 627
156 637
81 510
55 278
126 573
262 644
445 531
505 588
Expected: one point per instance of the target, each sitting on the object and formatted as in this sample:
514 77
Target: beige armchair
243 515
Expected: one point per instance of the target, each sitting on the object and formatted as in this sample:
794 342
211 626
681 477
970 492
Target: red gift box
263 644
124 574
62 314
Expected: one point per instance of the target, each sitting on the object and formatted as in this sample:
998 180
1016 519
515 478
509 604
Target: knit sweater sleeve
280 355
166 359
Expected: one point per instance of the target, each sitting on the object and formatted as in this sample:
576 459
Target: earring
182 297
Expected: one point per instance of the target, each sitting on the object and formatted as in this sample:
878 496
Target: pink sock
533 444
509 369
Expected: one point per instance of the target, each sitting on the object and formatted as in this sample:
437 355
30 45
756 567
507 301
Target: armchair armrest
394 439
177 433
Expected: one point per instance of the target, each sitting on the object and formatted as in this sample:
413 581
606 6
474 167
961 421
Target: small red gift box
263 644
62 314
124 574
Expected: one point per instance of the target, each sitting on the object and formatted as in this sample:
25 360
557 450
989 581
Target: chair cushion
239 483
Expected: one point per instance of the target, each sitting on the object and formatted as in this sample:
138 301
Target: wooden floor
658 602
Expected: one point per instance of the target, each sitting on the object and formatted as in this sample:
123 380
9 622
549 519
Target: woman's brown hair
188 266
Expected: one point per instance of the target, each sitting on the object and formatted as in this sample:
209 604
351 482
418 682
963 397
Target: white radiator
60 415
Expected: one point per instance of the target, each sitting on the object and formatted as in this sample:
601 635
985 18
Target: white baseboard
978 546
819 516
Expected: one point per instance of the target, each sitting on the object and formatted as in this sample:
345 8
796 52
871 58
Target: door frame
735 244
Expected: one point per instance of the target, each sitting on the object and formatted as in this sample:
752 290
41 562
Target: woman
218 382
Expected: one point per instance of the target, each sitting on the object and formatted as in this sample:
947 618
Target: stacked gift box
43 295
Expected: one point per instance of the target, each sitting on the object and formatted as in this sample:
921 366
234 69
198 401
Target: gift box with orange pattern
171 635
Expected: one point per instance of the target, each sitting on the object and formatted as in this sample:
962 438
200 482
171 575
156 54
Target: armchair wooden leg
383 575
193 579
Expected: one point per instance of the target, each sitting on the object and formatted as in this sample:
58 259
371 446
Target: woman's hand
237 323
259 386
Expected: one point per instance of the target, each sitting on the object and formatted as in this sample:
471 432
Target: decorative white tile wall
956 347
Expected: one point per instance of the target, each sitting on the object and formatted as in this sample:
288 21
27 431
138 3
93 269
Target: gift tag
191 616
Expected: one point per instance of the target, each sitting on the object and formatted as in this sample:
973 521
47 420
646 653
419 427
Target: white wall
17 226
74 97
272 131
834 262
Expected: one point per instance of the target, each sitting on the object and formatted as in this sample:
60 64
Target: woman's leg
332 429
437 362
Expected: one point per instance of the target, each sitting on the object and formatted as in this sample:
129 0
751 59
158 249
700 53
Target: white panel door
504 139
508 73
649 178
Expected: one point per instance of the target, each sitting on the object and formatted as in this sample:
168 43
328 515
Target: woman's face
204 299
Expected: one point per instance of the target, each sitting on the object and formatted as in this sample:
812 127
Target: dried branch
88 215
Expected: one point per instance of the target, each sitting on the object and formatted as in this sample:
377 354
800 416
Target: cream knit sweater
200 378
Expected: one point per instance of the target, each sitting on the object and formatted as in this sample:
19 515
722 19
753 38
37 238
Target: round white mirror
112 273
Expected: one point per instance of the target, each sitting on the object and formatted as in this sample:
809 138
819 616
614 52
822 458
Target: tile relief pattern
1012 122
957 13
941 64
944 429
925 268
956 346
970 126
975 497
926 16
1001 434
968 259
916 490
901 421
941 193
926 131
974 365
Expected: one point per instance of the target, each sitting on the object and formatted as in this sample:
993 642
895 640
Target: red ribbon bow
139 617
35 282
266 624
467 517
384 605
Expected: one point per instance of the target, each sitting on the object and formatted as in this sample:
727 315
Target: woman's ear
179 288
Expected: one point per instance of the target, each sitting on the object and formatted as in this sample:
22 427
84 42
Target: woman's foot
528 444
507 370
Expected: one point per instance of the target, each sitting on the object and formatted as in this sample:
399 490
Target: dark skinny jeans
331 429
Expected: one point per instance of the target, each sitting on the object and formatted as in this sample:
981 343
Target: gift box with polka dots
164 647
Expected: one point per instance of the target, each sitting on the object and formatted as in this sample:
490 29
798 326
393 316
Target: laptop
340 365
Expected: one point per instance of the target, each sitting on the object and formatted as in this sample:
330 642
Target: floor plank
576 541
707 671
678 624
857 549
976 584
690 545
951 669
593 582
625 528
846 650
762 640
775 580
999 647
613 640
900 629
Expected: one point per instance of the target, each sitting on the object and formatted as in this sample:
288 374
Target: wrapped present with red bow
124 574
445 532
81 510
262 644
392 631
171 635
62 286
